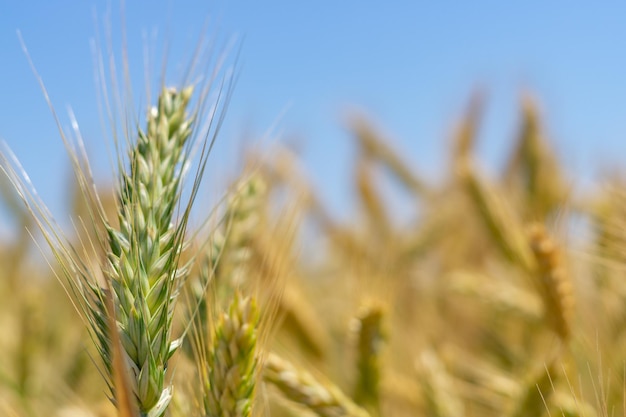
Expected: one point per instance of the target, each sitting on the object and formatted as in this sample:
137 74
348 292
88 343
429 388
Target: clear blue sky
411 65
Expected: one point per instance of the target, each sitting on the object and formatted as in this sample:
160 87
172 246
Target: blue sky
303 65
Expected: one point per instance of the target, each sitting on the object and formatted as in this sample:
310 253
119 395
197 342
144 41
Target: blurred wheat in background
498 295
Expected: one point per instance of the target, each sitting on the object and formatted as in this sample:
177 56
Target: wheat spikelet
326 400
553 282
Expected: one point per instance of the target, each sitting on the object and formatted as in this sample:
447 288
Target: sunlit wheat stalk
552 280
141 276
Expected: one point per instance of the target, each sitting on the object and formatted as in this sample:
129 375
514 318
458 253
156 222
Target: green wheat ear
143 259
231 370
136 287
371 338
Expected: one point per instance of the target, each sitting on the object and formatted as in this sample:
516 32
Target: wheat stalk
553 281
141 276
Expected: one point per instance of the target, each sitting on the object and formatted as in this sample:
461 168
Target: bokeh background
491 284
303 68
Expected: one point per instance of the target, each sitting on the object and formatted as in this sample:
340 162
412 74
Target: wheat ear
141 276
143 258
534 166
370 341
230 374
553 282
243 218
326 400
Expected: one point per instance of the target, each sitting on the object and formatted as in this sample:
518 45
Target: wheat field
499 295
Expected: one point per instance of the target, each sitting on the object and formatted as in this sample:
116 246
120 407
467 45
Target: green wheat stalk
136 284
